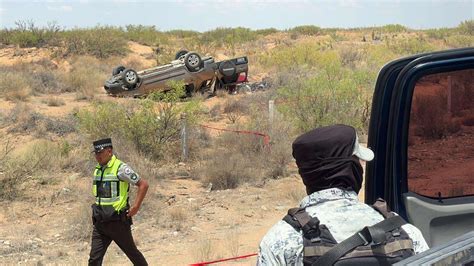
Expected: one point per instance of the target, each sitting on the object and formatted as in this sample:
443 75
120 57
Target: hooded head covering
327 157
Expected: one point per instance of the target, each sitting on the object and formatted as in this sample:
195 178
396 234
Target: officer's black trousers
121 234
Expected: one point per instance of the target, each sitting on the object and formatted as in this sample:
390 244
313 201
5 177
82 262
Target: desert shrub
232 159
460 41
24 120
410 46
15 86
234 110
147 35
333 95
22 80
440 33
183 33
85 77
204 249
393 28
45 82
378 55
153 128
227 169
466 27
309 30
228 36
305 55
54 101
100 41
106 119
266 31
26 165
27 34
351 57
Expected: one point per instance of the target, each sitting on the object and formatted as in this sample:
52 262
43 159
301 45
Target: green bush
100 41
309 30
305 55
266 31
151 127
183 33
460 41
333 95
26 34
147 35
228 36
440 33
394 28
466 27
404 47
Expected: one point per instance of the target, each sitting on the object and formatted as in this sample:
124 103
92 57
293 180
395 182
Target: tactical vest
109 191
384 243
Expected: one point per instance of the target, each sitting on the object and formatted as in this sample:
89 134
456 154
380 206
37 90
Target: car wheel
180 53
130 77
227 68
118 70
193 62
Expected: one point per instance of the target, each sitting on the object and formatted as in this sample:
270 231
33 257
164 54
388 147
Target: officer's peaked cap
102 144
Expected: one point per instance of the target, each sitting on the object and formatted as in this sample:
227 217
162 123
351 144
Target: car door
422 134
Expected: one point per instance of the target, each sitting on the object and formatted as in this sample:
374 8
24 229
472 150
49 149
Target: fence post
184 138
271 115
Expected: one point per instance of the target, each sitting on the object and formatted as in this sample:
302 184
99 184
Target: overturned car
199 74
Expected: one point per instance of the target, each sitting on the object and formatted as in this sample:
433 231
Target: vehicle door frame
378 174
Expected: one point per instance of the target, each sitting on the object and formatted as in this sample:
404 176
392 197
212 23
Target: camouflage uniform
340 211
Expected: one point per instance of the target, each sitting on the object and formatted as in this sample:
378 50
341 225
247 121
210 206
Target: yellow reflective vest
107 188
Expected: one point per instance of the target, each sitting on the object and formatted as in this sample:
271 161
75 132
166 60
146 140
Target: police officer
328 160
111 212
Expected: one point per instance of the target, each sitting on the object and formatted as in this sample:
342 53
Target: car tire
130 77
193 62
118 70
180 53
227 68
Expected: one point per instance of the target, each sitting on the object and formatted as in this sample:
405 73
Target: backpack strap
381 206
369 235
299 219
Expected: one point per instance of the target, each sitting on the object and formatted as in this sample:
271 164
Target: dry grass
32 164
294 193
86 77
177 216
15 87
54 101
80 223
203 250
232 241
173 217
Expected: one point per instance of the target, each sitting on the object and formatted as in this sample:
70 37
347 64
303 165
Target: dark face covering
324 158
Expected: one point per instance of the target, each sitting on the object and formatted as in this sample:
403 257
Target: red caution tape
266 138
222 260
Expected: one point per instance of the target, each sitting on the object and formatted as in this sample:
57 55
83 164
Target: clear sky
203 15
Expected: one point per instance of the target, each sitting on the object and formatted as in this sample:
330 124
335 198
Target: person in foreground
111 212
328 160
